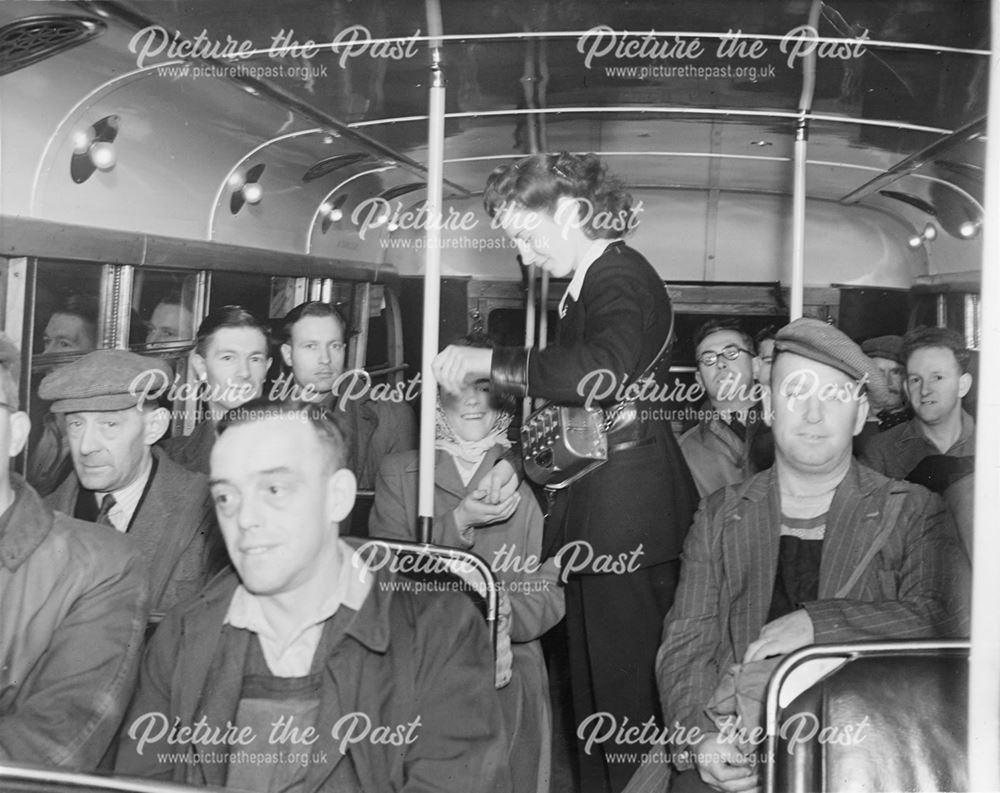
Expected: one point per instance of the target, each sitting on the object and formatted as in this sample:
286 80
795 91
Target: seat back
883 716
438 568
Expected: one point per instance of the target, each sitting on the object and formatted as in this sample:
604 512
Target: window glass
67 308
66 326
163 308
251 291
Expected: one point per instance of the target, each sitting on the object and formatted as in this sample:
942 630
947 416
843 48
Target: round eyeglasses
730 352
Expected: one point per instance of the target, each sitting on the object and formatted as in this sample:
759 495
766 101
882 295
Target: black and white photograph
465 396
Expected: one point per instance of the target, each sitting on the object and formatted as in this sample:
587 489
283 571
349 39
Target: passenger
72 615
171 320
120 480
723 448
471 436
635 509
305 636
71 328
315 349
817 549
941 436
764 342
887 354
231 357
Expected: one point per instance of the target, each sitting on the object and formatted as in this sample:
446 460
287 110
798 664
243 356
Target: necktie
107 504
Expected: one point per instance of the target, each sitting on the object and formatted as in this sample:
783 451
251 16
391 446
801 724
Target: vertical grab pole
529 330
799 172
432 274
799 219
984 658
543 308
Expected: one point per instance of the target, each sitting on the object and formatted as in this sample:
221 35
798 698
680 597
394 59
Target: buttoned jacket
914 587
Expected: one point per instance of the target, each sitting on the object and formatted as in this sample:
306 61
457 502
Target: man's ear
20 426
342 488
964 384
286 354
156 423
698 378
199 366
862 417
766 404
755 365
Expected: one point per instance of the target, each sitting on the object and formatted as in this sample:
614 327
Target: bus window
67 308
165 301
66 325
249 290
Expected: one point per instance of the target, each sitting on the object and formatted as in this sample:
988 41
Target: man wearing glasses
72 614
315 349
729 442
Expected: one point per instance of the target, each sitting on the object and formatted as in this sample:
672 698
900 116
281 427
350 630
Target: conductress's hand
455 365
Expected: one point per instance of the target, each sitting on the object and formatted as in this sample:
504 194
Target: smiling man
303 634
231 357
315 349
937 378
120 480
816 549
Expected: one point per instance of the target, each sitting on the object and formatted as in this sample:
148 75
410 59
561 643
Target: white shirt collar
127 499
293 658
591 255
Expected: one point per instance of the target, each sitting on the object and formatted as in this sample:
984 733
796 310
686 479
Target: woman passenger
471 436
622 526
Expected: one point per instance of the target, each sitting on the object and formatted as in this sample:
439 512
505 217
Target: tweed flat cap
105 380
824 343
10 359
888 347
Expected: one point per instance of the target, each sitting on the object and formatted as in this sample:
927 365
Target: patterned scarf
468 454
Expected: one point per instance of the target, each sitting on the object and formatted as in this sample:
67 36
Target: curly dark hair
539 181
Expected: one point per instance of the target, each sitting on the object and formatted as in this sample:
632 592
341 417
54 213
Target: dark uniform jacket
643 495
72 615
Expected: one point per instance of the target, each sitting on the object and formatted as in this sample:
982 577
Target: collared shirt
127 499
293 658
592 254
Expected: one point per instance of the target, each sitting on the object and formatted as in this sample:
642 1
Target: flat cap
888 347
824 343
105 380
10 359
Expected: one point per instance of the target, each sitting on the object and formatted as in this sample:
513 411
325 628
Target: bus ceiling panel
869 246
172 152
272 195
592 51
649 146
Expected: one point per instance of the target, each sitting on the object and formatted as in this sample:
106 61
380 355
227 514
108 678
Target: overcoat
512 548
174 528
72 614
405 656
